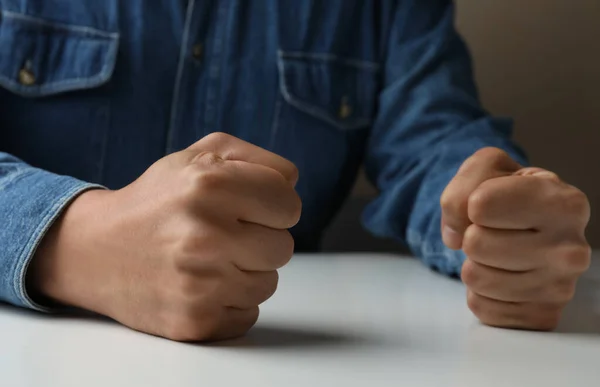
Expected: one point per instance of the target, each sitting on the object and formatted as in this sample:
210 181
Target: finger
249 192
531 286
240 246
500 314
263 198
528 202
235 322
232 148
526 250
260 248
487 163
512 250
250 289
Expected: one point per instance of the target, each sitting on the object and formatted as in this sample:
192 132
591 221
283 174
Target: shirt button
198 51
26 77
345 109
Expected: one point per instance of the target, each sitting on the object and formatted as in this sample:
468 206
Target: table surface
336 320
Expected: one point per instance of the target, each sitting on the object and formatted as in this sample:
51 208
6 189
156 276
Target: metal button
198 51
345 109
26 77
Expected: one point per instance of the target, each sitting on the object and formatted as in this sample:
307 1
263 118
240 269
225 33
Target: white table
337 320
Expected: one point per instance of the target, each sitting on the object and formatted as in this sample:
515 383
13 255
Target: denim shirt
93 92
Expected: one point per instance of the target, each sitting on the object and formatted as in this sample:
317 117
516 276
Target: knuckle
203 162
180 256
452 204
188 244
475 304
281 249
288 243
217 137
191 288
495 157
478 203
577 258
252 318
577 203
470 275
270 285
295 208
202 257
207 182
286 199
206 158
184 248
187 286
293 172
274 282
473 241
181 262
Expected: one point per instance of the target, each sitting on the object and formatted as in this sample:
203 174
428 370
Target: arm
188 251
30 200
430 121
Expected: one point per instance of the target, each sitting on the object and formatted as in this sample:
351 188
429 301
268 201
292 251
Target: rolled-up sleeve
430 121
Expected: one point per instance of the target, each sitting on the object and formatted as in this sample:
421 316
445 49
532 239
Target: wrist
61 271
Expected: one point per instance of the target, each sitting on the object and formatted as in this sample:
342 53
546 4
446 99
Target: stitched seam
60 26
315 111
179 76
275 127
70 84
15 177
366 65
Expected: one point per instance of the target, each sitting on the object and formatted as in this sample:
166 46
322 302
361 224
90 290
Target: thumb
485 164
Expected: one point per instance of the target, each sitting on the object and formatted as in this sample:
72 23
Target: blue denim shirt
93 92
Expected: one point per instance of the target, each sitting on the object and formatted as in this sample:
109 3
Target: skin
191 249
523 232
187 252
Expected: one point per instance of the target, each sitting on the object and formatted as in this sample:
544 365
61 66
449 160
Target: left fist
523 232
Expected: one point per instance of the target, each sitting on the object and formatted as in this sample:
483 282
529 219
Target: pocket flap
40 58
340 91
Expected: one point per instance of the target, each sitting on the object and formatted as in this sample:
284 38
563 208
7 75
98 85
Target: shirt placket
195 103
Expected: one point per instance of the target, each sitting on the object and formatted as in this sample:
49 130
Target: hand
187 252
523 232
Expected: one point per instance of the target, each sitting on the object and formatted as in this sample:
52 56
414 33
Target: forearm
430 121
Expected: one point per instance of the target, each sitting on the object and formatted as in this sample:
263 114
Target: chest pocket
325 107
338 91
39 58
52 111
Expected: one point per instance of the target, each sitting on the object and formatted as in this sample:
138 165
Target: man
185 241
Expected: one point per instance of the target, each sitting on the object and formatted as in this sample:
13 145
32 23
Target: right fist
188 251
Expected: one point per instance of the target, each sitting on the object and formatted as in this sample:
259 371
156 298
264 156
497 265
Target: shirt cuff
35 208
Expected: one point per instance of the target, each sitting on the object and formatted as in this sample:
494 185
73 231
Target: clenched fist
523 232
187 252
